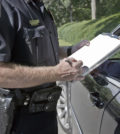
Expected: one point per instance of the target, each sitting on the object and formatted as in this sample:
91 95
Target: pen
70 63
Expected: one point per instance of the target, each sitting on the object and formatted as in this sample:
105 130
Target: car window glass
110 68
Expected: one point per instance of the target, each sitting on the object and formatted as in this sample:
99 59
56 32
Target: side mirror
116 31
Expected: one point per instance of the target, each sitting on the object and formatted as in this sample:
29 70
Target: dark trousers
39 123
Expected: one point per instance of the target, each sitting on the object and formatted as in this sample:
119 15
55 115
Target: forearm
17 76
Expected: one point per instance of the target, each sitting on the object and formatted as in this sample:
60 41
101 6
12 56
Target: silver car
92 106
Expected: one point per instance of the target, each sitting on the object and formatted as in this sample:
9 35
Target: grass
75 32
64 43
72 33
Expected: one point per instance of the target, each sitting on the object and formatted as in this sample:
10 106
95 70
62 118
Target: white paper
101 47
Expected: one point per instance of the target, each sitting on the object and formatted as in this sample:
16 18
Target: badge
34 22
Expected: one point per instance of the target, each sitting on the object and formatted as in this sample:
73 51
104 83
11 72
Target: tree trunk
71 13
93 9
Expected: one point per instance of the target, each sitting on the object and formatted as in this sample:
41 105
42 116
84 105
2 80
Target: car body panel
95 101
90 115
87 114
111 116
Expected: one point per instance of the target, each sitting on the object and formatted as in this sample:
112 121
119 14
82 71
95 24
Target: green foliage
66 3
117 55
75 32
77 10
64 43
107 7
64 10
81 14
59 12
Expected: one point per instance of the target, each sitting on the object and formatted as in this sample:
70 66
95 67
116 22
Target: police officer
29 64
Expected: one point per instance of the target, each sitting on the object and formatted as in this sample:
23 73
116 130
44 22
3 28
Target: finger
64 59
68 74
78 64
85 42
69 62
68 78
79 78
72 59
88 43
71 75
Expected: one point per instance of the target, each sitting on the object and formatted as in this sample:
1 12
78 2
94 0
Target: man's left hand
79 45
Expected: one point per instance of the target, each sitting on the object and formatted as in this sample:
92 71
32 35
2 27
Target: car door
90 101
87 114
88 105
110 123
91 98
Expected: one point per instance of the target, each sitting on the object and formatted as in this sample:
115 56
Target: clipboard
101 48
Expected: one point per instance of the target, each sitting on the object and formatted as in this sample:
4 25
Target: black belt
40 100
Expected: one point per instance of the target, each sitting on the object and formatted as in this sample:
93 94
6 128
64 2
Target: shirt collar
27 1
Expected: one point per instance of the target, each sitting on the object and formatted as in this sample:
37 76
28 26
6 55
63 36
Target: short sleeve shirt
24 43
27 36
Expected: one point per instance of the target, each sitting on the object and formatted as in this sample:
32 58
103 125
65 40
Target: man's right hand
18 76
69 69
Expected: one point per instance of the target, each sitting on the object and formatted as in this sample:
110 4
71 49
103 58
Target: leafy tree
69 10
107 7
77 10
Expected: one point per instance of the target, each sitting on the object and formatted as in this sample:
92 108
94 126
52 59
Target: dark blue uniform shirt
24 43
29 37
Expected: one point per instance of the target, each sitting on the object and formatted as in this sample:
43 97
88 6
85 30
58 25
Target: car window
110 68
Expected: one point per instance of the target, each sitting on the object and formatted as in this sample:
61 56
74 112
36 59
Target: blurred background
77 20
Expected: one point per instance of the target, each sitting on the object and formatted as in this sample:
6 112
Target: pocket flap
31 33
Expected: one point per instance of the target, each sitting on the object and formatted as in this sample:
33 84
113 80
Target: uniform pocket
33 33
31 36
